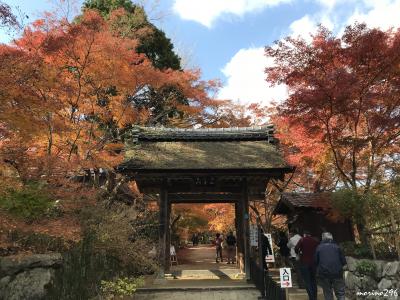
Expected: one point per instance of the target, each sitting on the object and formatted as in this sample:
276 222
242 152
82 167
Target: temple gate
227 165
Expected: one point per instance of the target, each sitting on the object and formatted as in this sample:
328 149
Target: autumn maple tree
71 92
344 95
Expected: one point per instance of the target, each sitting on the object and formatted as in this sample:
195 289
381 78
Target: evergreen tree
154 43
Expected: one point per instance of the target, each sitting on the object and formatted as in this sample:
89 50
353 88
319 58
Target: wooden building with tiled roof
314 212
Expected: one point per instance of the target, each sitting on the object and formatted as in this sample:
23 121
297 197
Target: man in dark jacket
330 260
231 242
306 248
284 250
218 247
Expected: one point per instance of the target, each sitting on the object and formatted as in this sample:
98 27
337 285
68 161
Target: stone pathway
198 276
200 257
199 263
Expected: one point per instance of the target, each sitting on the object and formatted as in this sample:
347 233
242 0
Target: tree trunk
362 231
396 235
371 244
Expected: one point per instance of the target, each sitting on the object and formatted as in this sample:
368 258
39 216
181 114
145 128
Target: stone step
199 290
246 291
300 294
294 293
213 293
227 294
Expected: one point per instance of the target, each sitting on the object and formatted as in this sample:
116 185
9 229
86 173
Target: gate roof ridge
253 133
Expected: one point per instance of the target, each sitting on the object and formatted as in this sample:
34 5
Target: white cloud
246 79
330 4
245 71
206 12
303 27
383 14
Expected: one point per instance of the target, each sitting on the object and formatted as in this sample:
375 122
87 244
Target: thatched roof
204 155
177 149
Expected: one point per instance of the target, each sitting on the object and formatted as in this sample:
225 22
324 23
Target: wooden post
163 233
168 236
246 228
239 235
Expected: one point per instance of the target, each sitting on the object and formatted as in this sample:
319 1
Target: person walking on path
306 248
294 258
295 237
193 239
218 247
330 260
284 250
196 239
231 247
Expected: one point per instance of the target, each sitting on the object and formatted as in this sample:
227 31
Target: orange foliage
67 101
221 217
65 96
217 217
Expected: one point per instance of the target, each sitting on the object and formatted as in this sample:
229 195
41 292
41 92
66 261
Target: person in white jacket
293 240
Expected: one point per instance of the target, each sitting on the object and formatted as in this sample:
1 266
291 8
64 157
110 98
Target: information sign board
269 258
286 277
253 235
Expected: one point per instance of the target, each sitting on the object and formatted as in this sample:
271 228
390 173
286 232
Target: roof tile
315 200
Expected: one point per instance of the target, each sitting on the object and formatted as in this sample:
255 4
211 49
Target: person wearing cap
330 260
295 237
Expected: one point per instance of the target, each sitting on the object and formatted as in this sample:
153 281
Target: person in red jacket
306 249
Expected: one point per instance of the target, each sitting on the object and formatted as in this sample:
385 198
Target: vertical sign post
286 280
269 258
253 235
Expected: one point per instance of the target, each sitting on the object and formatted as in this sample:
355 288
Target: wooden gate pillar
239 234
243 231
164 235
246 228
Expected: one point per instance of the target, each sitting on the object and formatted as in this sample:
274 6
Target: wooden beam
178 173
204 189
203 197
152 187
202 201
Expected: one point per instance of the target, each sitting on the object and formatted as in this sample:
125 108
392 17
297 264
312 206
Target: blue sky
225 38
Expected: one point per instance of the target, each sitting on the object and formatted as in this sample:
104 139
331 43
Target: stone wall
28 276
381 283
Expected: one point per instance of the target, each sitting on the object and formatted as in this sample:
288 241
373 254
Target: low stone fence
27 276
372 279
